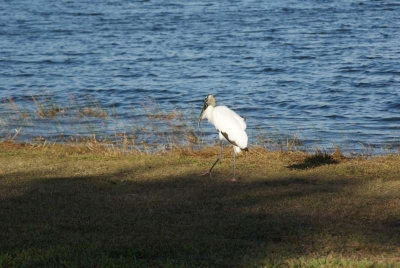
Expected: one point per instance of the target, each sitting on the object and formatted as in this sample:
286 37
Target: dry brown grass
87 206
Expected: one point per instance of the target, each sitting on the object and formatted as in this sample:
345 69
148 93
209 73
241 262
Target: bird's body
230 126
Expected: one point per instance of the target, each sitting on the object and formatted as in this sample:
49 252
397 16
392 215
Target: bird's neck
208 113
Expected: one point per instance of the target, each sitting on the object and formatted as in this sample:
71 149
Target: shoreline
42 119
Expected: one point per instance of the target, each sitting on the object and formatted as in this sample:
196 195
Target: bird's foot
208 172
233 179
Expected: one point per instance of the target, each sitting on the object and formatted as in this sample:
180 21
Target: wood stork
230 126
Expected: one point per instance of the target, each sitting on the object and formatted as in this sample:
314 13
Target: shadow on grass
183 221
319 159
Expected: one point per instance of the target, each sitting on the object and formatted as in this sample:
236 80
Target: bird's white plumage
227 121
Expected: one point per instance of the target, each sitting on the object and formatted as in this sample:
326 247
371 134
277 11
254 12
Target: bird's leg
234 164
216 161
219 157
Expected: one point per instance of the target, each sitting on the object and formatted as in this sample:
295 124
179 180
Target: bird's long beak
201 114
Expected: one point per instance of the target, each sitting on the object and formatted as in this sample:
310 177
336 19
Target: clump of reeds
277 141
46 108
81 119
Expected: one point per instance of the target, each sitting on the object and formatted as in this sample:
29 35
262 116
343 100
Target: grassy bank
85 206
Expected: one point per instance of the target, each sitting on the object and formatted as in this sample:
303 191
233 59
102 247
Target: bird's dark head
209 100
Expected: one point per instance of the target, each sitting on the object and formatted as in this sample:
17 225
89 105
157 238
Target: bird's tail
239 150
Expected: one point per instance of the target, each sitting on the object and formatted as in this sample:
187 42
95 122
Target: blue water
325 73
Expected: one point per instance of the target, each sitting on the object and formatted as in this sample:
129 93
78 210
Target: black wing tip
246 149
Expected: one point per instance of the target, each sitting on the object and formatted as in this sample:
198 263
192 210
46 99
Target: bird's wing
231 126
230 115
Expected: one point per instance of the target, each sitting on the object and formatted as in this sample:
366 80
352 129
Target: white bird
230 126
